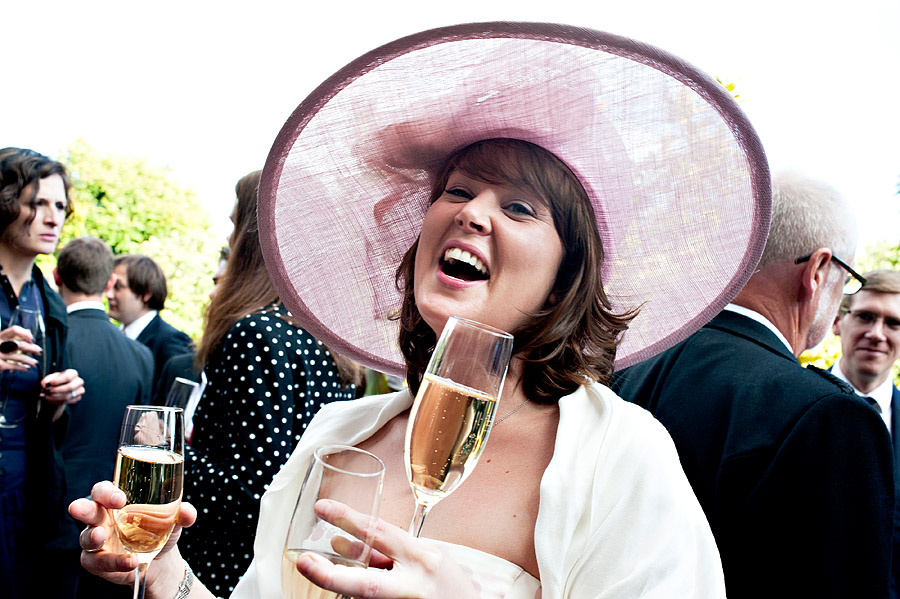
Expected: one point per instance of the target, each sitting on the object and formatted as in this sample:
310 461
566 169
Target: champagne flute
453 412
342 473
31 320
150 471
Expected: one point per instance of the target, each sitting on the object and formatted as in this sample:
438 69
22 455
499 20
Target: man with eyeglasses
793 470
869 327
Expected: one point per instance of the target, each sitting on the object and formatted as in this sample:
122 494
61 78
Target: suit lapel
149 331
895 440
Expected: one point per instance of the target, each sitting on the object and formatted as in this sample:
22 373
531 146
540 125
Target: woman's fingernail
304 563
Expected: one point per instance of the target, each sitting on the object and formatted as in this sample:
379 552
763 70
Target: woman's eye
459 193
520 208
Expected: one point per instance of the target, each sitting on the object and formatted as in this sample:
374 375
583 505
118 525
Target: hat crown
676 175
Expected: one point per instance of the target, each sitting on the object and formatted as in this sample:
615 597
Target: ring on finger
72 394
87 529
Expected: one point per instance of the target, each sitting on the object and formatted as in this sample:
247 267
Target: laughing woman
595 197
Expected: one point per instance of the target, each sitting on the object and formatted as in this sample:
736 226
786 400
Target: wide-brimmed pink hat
677 176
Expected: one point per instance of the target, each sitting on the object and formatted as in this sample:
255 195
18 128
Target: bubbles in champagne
152 480
450 425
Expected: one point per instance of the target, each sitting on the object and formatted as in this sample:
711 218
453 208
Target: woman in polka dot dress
266 377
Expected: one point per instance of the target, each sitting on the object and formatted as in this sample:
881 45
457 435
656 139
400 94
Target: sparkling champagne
152 480
450 425
296 586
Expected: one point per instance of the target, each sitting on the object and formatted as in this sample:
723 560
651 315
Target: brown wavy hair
573 338
245 286
19 168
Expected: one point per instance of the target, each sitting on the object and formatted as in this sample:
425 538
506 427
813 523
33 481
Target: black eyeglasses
854 282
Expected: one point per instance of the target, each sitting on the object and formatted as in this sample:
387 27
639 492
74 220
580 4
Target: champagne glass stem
140 580
418 521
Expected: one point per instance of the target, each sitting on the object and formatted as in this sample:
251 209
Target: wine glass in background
180 395
453 412
180 392
342 473
31 320
150 471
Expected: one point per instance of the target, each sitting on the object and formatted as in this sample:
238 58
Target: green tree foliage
730 86
139 208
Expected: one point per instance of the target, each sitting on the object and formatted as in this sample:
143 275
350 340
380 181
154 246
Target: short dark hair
85 265
571 339
19 169
145 276
883 280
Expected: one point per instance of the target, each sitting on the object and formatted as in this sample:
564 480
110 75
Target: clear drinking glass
454 409
150 471
30 320
180 392
342 473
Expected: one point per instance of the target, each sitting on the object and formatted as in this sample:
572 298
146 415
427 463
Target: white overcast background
204 87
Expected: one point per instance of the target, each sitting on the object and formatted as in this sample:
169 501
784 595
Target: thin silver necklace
516 409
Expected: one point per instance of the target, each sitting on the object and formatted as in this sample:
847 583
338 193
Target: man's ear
56 278
836 325
110 284
146 298
815 273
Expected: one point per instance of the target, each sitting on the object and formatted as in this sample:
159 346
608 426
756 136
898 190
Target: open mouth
462 265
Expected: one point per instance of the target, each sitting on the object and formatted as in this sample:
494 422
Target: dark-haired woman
35 385
266 378
564 185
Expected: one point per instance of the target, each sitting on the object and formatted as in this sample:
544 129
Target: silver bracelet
184 587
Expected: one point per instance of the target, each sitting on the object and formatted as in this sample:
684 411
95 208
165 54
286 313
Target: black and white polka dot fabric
265 382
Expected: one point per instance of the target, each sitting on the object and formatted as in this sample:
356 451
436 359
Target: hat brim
677 176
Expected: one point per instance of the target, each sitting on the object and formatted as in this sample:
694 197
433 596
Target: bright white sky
204 87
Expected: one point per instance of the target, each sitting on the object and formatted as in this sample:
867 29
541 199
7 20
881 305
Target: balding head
810 219
808 214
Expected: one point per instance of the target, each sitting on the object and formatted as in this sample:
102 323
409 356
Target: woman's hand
401 565
17 348
62 388
103 555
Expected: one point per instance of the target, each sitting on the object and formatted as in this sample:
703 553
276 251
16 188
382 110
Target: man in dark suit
793 470
869 328
135 300
117 372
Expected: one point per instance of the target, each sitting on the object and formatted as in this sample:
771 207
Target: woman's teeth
457 255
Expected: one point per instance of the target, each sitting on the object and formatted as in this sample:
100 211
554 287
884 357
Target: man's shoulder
169 330
730 363
728 342
95 322
159 333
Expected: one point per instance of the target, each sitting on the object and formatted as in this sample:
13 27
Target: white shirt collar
754 315
882 394
85 305
137 326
